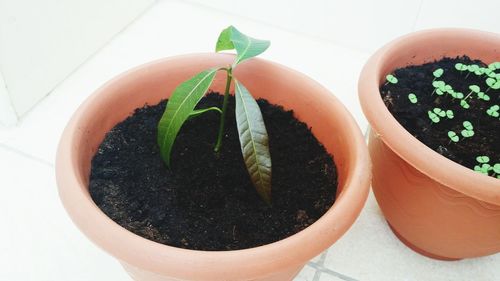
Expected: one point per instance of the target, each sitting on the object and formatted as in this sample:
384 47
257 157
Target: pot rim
206 265
405 145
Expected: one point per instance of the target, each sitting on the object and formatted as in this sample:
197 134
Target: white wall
363 24
42 42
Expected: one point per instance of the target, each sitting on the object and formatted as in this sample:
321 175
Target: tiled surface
38 241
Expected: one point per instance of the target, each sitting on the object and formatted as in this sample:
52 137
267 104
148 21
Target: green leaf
412 97
483 96
467 133
438 72
438 84
464 104
254 141
460 67
224 41
439 92
453 136
472 67
439 112
434 118
468 125
483 159
494 65
246 47
197 112
449 114
179 107
474 88
496 168
391 79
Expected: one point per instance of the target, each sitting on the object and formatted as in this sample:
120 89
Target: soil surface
414 117
206 201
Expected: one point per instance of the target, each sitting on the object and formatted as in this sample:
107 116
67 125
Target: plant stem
224 109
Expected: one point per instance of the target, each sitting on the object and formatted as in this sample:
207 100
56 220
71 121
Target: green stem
224 109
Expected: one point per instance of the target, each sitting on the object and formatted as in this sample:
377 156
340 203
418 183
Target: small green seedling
453 136
468 131
492 84
254 140
483 96
439 87
494 65
413 98
472 69
433 116
391 79
439 112
457 95
464 104
493 111
496 170
450 114
460 67
484 167
473 89
437 73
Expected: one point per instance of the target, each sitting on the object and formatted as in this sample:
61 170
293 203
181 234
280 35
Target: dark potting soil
418 79
206 201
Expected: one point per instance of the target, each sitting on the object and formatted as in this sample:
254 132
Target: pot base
418 250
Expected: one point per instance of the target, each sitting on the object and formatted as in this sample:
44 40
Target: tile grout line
26 155
418 15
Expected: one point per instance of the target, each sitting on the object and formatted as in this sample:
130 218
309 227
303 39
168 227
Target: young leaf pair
251 128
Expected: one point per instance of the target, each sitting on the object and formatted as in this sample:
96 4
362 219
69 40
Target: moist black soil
206 201
414 117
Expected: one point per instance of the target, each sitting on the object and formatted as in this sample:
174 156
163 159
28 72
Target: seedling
483 96
437 73
494 65
483 166
252 132
464 104
450 114
460 67
468 131
493 111
473 89
391 79
412 97
433 116
472 69
453 136
439 112
492 84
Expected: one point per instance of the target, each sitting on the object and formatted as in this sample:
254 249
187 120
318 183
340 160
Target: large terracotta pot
435 206
146 260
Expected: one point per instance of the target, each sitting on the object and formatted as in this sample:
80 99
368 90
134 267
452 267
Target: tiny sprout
493 111
483 159
494 65
467 133
434 118
460 67
468 125
457 95
483 168
496 168
472 67
412 97
449 114
474 88
453 136
464 104
492 83
438 73
439 92
438 84
492 74
439 112
479 71
391 79
483 96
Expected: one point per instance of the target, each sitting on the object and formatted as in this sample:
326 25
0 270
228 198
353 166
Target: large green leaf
179 108
246 47
254 141
224 42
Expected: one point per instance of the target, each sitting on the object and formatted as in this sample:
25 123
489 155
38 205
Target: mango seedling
253 137
413 98
493 111
391 79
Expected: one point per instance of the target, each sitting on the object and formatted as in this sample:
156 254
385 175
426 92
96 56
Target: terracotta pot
147 260
435 206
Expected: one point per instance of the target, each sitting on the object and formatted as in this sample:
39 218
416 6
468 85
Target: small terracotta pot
146 260
435 206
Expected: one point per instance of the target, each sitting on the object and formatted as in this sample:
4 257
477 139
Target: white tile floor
57 251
